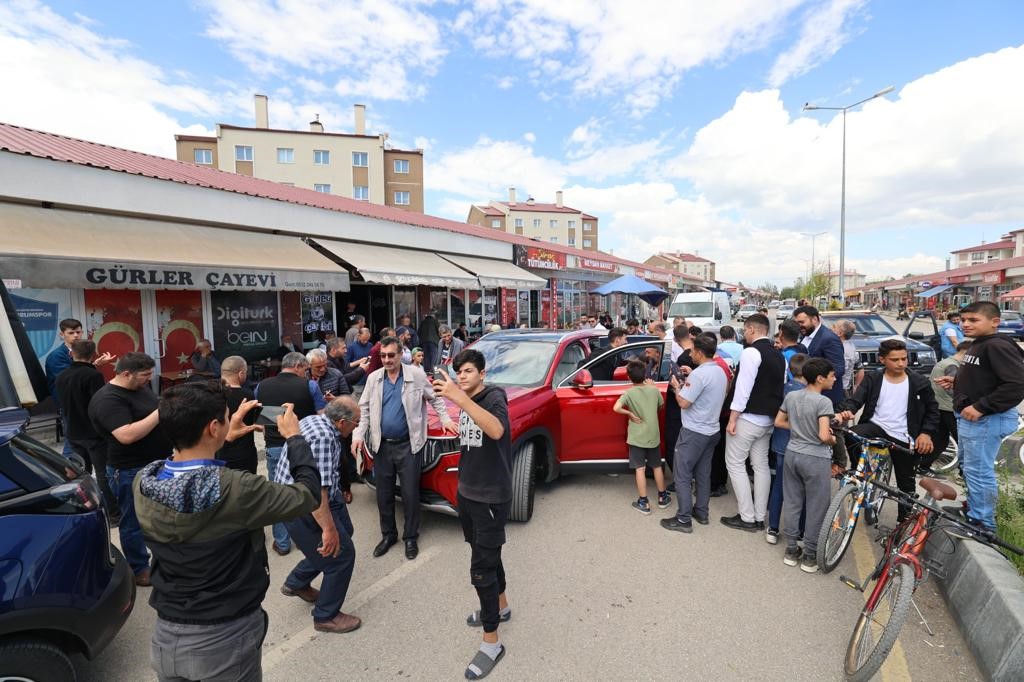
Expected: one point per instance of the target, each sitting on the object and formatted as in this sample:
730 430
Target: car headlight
926 356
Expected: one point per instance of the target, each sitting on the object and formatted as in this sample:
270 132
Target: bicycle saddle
938 490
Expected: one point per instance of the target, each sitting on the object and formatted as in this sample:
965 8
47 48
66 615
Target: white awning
392 265
58 249
498 273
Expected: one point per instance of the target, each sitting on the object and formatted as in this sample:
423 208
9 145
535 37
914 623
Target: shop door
179 327
113 320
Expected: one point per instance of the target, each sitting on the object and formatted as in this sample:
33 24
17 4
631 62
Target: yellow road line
895 668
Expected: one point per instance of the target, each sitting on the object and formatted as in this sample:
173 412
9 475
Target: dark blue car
1010 323
64 589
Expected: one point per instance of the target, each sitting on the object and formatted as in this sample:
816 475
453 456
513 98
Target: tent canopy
631 284
1016 293
934 291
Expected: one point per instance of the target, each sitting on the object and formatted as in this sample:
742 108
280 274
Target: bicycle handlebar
874 442
980 534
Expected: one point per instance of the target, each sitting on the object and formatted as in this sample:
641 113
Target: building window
285 155
401 165
361 192
586 243
977 255
203 156
401 198
496 223
572 241
243 153
536 222
572 224
519 222
553 223
321 157
325 188
554 240
360 159
587 227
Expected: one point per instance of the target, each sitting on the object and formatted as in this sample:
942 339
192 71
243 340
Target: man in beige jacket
393 424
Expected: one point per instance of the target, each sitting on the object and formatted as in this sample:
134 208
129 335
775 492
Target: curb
986 595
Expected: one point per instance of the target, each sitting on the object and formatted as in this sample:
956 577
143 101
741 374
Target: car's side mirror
582 379
917 336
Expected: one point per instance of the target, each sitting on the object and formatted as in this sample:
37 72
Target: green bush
1010 518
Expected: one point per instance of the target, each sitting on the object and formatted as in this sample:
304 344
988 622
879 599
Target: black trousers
397 461
719 473
904 466
673 422
947 428
483 526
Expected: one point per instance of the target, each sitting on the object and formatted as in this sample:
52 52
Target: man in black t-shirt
239 453
484 495
124 413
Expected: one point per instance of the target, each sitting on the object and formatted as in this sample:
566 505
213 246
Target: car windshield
870 326
516 361
1009 316
692 309
748 307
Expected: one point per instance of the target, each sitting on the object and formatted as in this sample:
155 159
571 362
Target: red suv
560 411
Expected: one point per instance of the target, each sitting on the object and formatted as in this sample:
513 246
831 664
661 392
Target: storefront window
405 303
458 305
439 304
489 309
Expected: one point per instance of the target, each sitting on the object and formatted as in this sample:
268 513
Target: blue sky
678 123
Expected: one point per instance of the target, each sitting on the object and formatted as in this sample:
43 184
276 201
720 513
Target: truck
702 308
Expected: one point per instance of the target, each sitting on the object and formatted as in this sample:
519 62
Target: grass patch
1010 518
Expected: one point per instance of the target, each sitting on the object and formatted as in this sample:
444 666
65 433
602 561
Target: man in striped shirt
325 535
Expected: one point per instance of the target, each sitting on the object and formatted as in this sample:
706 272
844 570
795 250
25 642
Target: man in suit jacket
822 342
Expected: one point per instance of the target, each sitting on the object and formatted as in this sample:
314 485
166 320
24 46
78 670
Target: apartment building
354 165
852 280
684 263
553 223
983 253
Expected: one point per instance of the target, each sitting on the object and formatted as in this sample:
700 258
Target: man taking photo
204 523
484 495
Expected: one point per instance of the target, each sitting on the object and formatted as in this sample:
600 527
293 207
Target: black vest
285 388
766 396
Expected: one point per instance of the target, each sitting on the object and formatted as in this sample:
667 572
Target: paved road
596 590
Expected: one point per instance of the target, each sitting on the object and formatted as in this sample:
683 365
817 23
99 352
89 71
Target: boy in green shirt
643 434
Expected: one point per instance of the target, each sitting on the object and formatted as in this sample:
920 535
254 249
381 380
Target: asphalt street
596 589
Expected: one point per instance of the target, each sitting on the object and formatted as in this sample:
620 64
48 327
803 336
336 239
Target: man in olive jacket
204 525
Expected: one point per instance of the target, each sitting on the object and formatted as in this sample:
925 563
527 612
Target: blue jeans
775 496
337 570
279 531
979 444
132 544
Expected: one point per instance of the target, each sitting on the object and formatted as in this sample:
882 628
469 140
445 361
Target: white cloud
529 137
506 82
823 33
369 48
62 76
604 47
485 171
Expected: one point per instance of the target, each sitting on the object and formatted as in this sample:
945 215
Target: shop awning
391 265
934 291
498 273
1016 293
57 249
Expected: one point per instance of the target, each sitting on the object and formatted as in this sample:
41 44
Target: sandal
473 619
482 665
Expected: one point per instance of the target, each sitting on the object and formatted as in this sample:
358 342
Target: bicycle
856 491
898 573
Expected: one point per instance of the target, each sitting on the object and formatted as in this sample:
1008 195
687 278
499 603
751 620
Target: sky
680 123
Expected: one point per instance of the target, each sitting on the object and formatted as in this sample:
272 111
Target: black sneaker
702 520
719 491
792 557
738 523
664 500
809 562
672 523
642 505
759 525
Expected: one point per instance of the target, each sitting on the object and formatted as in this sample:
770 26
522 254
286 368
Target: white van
702 308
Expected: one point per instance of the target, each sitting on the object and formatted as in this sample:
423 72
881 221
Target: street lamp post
813 236
842 205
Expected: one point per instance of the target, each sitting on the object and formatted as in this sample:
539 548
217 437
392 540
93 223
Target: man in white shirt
758 396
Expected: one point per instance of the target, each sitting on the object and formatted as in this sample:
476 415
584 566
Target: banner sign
994 277
587 263
539 258
245 323
317 317
509 308
41 311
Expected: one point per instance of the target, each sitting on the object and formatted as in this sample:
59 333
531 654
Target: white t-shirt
891 410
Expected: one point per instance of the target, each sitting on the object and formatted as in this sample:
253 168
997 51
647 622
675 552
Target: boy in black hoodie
484 497
986 391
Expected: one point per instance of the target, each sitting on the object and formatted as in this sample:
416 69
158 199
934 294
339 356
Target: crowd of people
178 472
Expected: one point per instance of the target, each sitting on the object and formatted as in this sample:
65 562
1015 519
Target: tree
793 291
816 287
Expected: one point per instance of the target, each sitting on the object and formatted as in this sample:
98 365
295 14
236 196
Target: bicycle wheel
879 626
948 458
837 529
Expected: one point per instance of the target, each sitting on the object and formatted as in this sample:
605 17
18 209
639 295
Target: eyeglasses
389 355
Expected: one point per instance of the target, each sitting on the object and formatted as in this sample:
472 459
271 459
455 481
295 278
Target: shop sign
509 308
41 311
539 258
994 277
317 316
245 323
586 263
960 279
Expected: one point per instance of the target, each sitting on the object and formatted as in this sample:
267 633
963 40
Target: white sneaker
771 536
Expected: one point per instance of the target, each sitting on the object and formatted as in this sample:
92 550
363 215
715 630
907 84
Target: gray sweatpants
225 652
806 479
693 463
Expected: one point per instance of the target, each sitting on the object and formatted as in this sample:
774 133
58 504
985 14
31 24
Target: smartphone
439 370
269 414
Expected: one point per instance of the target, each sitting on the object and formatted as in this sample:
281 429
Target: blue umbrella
631 284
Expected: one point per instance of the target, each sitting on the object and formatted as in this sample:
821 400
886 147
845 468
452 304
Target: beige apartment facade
353 165
685 264
553 223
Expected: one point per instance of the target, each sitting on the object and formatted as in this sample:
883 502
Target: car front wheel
524 482
34 660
